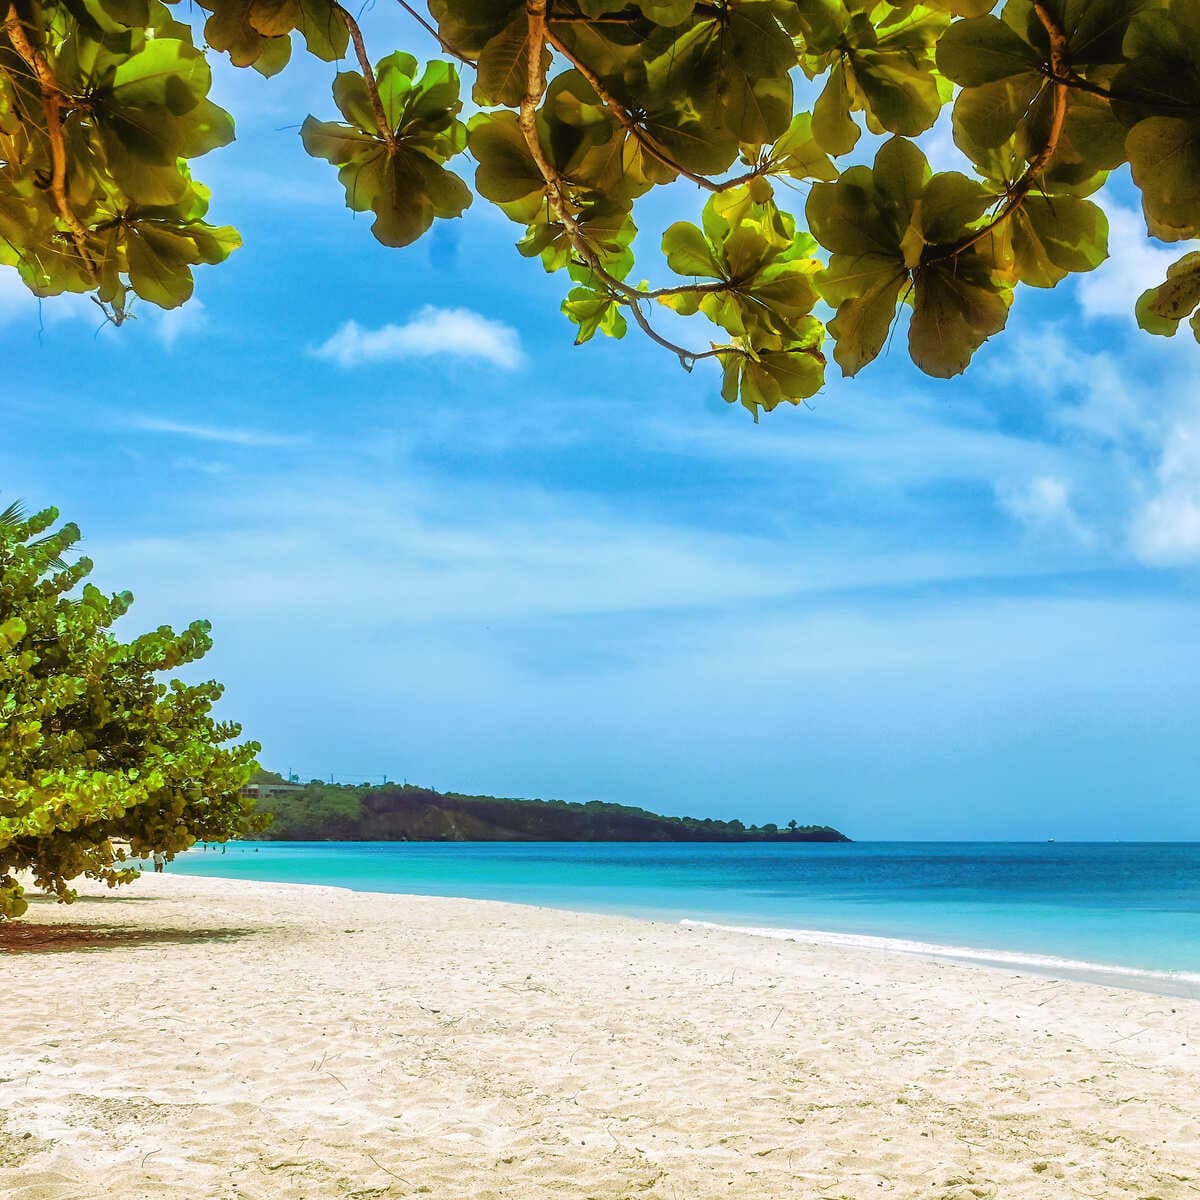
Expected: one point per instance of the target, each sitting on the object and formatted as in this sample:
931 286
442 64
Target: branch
1164 103
643 139
433 32
52 99
364 61
560 204
1060 70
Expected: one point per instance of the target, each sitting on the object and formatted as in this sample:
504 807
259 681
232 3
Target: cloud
230 435
911 443
431 333
1165 531
1134 264
175 322
1045 503
1089 393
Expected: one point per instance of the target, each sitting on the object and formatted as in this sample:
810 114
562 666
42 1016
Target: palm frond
14 514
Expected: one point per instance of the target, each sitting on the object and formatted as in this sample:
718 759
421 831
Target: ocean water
1126 910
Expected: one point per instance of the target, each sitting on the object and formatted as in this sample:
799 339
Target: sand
211 1040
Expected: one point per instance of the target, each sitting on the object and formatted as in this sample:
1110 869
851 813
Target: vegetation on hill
583 107
332 812
99 758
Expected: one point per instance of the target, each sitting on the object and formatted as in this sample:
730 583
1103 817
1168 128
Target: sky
439 543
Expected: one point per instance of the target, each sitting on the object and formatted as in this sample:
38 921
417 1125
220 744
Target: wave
1007 958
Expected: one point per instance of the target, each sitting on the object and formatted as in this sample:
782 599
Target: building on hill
260 791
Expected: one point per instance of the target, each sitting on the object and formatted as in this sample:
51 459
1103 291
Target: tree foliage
585 106
95 750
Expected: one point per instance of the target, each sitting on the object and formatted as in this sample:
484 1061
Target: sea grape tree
100 758
582 107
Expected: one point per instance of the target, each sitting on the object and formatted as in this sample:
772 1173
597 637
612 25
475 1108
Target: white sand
210 1040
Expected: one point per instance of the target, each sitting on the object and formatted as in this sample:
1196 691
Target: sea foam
1170 982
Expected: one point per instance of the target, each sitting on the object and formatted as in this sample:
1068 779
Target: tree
588 105
94 748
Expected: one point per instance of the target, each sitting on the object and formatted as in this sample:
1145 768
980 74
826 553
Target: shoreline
195 1038
1151 981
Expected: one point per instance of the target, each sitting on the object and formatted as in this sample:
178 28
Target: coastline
1180 984
1128 964
196 1037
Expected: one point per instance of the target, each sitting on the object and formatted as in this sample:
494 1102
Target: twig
625 118
1015 197
364 61
406 1182
560 205
52 98
432 30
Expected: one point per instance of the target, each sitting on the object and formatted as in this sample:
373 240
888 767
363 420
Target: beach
201 1038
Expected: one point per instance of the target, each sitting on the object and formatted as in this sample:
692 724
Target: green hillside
334 812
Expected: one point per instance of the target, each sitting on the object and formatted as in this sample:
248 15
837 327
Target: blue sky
910 609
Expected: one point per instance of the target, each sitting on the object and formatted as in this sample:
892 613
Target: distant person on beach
160 861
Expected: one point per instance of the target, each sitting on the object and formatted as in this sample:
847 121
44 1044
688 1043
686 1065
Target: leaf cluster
102 105
583 107
101 760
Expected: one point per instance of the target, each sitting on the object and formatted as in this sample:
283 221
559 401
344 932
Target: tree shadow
19 937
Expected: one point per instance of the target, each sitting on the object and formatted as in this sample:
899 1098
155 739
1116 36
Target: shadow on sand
20 937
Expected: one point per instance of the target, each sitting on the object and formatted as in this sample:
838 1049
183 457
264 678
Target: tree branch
364 61
1060 69
560 203
625 118
433 32
52 99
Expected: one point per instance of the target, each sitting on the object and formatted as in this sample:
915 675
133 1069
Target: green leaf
159 266
957 305
506 174
987 116
1164 156
688 252
984 50
834 129
503 73
406 187
763 381
394 77
733 68
1053 236
1161 308
593 311
865 292
798 154
153 111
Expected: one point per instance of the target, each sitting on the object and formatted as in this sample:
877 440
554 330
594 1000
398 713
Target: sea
1126 914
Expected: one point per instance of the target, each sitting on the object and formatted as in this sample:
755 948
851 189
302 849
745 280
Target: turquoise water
1134 906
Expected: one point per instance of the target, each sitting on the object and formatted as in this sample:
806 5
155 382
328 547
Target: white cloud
431 333
230 435
912 442
1134 264
1044 503
1090 393
175 322
1166 529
